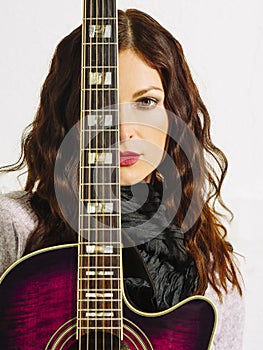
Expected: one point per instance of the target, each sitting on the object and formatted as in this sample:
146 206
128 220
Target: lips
128 158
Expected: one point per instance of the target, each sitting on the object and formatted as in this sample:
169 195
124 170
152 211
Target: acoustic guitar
72 296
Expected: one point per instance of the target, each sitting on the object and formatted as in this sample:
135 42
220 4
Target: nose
127 131
127 127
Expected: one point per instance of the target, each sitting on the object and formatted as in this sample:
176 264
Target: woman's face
143 119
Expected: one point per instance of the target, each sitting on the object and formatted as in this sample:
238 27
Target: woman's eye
146 103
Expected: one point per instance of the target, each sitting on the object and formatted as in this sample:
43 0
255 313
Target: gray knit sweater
17 220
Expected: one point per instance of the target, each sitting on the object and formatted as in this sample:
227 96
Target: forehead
135 73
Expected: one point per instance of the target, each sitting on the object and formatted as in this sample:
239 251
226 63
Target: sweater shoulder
17 221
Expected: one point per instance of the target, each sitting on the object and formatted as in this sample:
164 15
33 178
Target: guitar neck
99 264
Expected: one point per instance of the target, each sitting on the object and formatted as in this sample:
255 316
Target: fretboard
99 289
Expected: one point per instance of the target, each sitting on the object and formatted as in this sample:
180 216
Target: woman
186 251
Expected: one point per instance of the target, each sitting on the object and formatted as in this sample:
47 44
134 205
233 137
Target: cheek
155 136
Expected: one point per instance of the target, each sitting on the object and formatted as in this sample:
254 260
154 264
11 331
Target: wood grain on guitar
39 307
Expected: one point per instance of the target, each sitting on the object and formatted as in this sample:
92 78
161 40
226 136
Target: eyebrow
144 91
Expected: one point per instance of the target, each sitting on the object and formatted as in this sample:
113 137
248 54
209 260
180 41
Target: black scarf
171 273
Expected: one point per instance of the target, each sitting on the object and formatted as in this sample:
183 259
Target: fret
100 143
100 21
90 302
98 123
98 193
98 323
105 205
100 89
100 55
99 166
98 18
100 215
102 272
92 174
101 327
94 298
83 244
99 99
101 236
101 67
101 296
102 184
100 150
85 111
102 315
99 159
102 279
102 250
89 260
101 33
104 129
99 77
100 230
102 9
99 255
100 207
100 30
98 119
99 290
102 199
101 43
109 274
91 249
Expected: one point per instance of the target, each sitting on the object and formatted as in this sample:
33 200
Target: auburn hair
200 166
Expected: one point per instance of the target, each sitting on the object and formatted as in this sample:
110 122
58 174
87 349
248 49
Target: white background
223 44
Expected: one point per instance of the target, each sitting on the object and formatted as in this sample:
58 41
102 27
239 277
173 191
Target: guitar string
116 103
118 189
110 190
103 177
89 228
110 223
81 186
97 81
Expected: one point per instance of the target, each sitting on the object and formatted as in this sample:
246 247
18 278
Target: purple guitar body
38 312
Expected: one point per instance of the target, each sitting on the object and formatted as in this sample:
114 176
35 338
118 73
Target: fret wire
102 279
98 229
100 243
108 255
92 309
100 149
96 328
101 43
93 129
92 18
100 110
102 269
94 201
99 183
99 167
100 215
100 89
100 300
92 67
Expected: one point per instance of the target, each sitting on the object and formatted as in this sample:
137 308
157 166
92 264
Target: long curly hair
200 176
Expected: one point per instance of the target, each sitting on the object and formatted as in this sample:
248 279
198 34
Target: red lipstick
128 158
